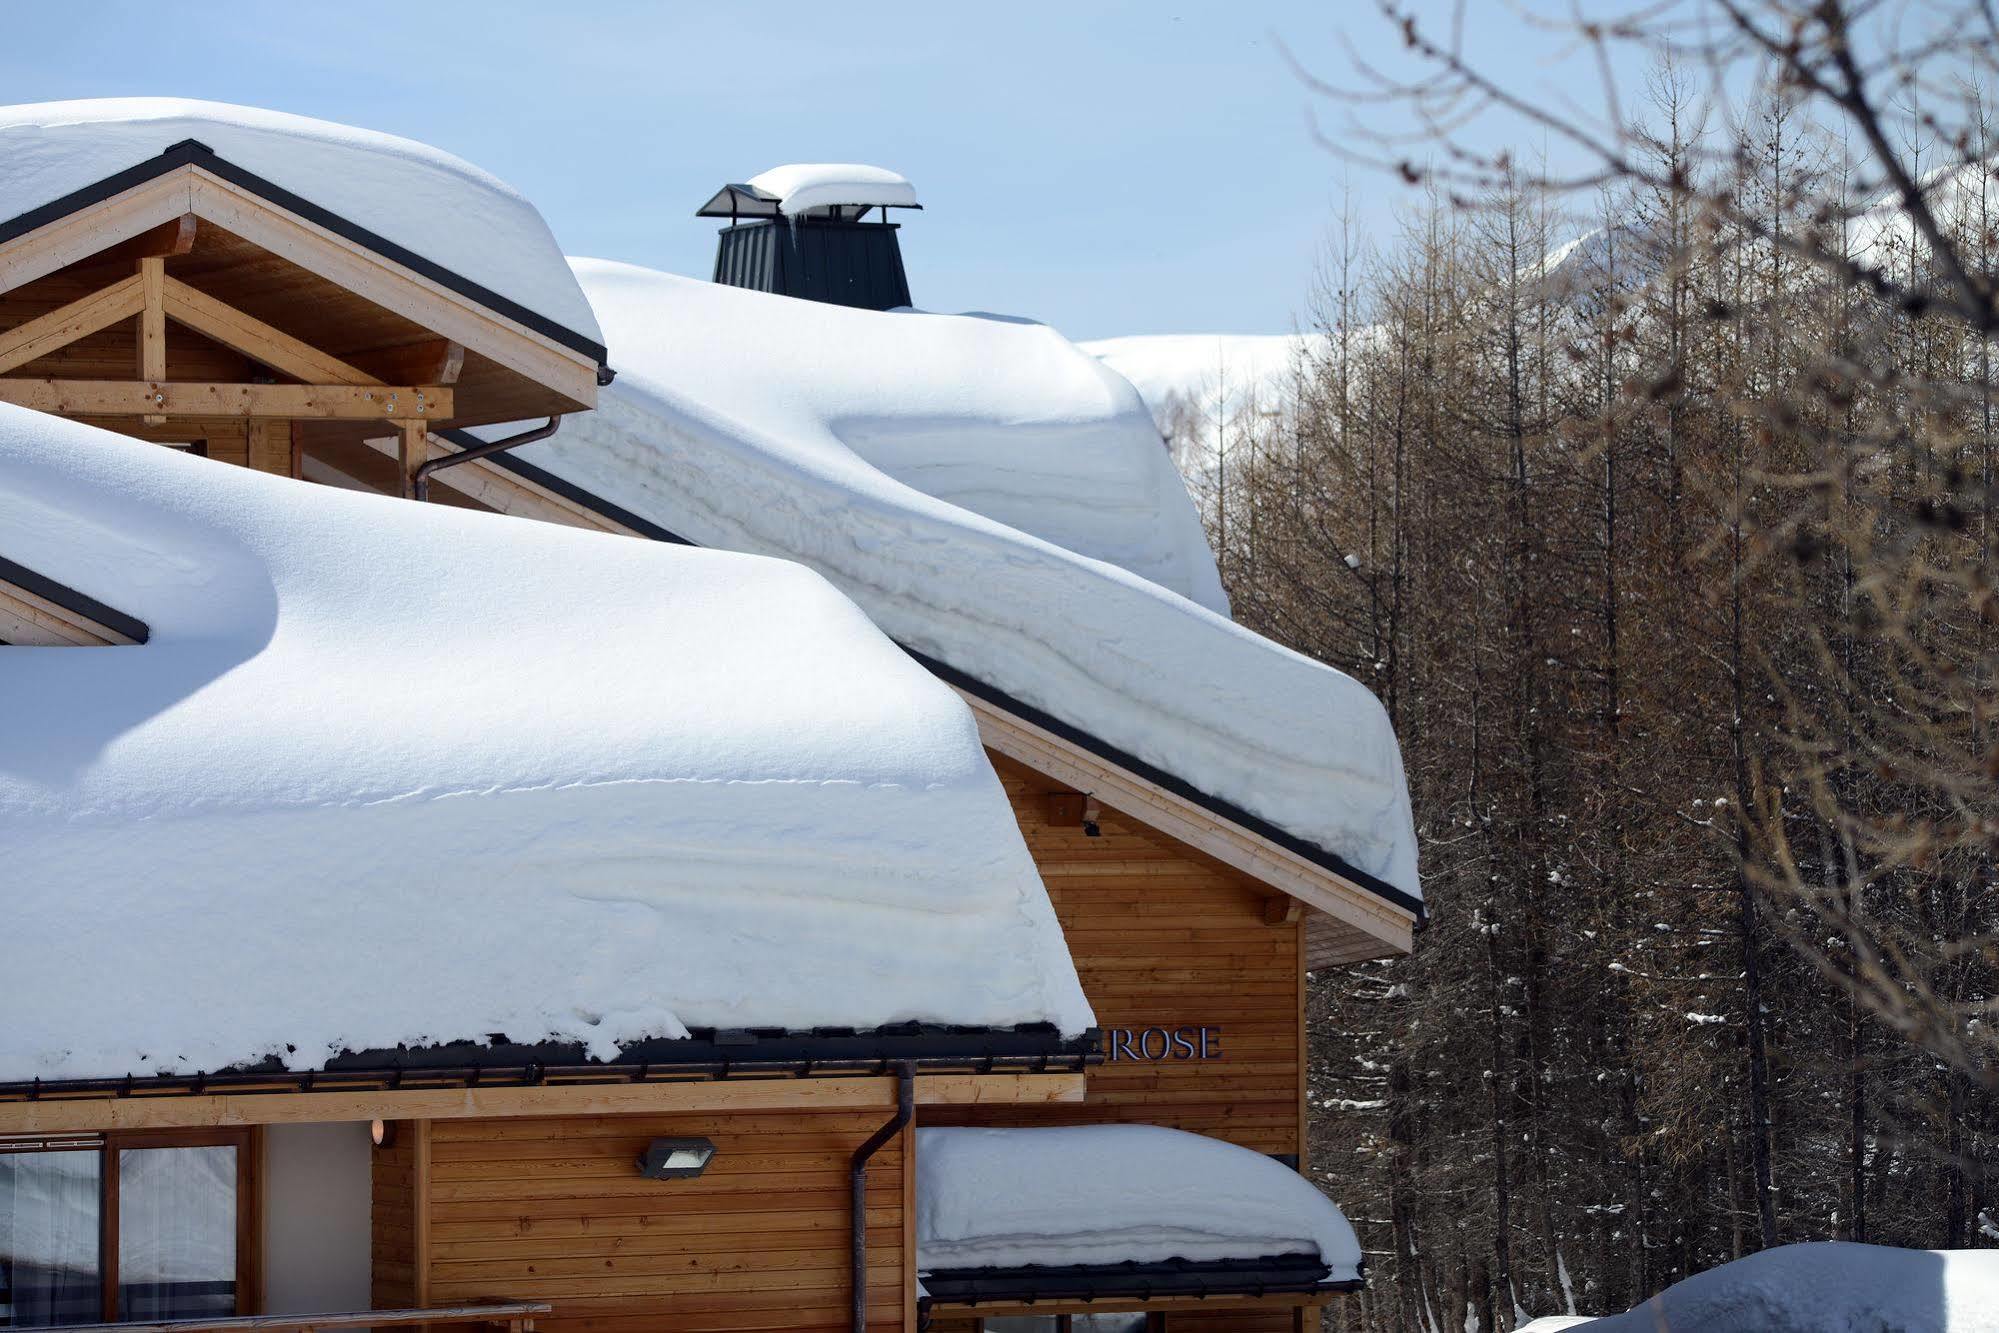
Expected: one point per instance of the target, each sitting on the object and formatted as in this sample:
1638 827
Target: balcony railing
516 1317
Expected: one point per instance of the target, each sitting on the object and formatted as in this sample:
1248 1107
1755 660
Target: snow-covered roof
1111 1194
426 201
799 186
1827 1286
389 773
998 500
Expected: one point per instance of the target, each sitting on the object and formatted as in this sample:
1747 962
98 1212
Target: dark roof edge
999 698
706 1055
569 491
69 599
192 152
1159 777
1269 1275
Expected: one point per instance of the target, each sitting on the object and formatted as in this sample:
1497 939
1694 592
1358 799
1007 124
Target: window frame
247 1142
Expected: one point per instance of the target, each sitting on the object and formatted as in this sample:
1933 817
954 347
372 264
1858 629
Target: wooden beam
49 1114
425 302
122 398
412 451
80 318
434 361
1282 910
153 326
174 237
256 339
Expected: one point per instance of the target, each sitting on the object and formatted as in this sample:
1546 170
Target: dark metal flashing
1159 777
1270 1275
69 599
706 1054
999 698
192 152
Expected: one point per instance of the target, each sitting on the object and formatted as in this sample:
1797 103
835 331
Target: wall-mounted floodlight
675 1159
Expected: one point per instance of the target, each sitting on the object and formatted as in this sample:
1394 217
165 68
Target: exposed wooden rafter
255 339
131 398
148 208
79 319
434 361
170 238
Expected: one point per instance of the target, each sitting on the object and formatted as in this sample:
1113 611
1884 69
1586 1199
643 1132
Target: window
124 1227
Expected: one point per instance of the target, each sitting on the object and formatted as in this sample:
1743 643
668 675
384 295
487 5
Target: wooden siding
392 1220
1164 936
555 1210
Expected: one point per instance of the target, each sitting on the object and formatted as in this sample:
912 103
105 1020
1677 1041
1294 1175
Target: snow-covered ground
1828 1287
427 201
994 498
408 774
1109 1194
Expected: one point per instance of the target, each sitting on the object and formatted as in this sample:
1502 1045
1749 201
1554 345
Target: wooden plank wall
555 1210
392 1218
1165 937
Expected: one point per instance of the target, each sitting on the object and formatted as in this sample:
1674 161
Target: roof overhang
760 1068
1036 1286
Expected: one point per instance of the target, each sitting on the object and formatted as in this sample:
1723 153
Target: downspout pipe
905 1111
541 432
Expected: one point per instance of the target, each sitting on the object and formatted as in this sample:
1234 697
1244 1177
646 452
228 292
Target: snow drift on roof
1827 1287
426 201
389 773
996 499
1108 1194
800 186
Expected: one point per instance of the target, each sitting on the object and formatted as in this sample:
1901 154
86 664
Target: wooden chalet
191 303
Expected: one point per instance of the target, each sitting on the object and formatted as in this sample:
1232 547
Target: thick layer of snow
1107 1194
427 201
994 498
1830 1287
394 773
801 186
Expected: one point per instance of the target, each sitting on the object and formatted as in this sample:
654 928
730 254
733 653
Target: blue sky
1107 167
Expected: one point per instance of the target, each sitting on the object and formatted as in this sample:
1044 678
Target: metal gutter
1270 1275
709 1056
857 1241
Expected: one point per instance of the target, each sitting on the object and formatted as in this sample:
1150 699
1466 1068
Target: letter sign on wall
1160 1044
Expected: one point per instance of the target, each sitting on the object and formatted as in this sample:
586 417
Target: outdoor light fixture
383 1132
675 1159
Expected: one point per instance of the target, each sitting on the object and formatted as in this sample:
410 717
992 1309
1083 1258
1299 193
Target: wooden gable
186 301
